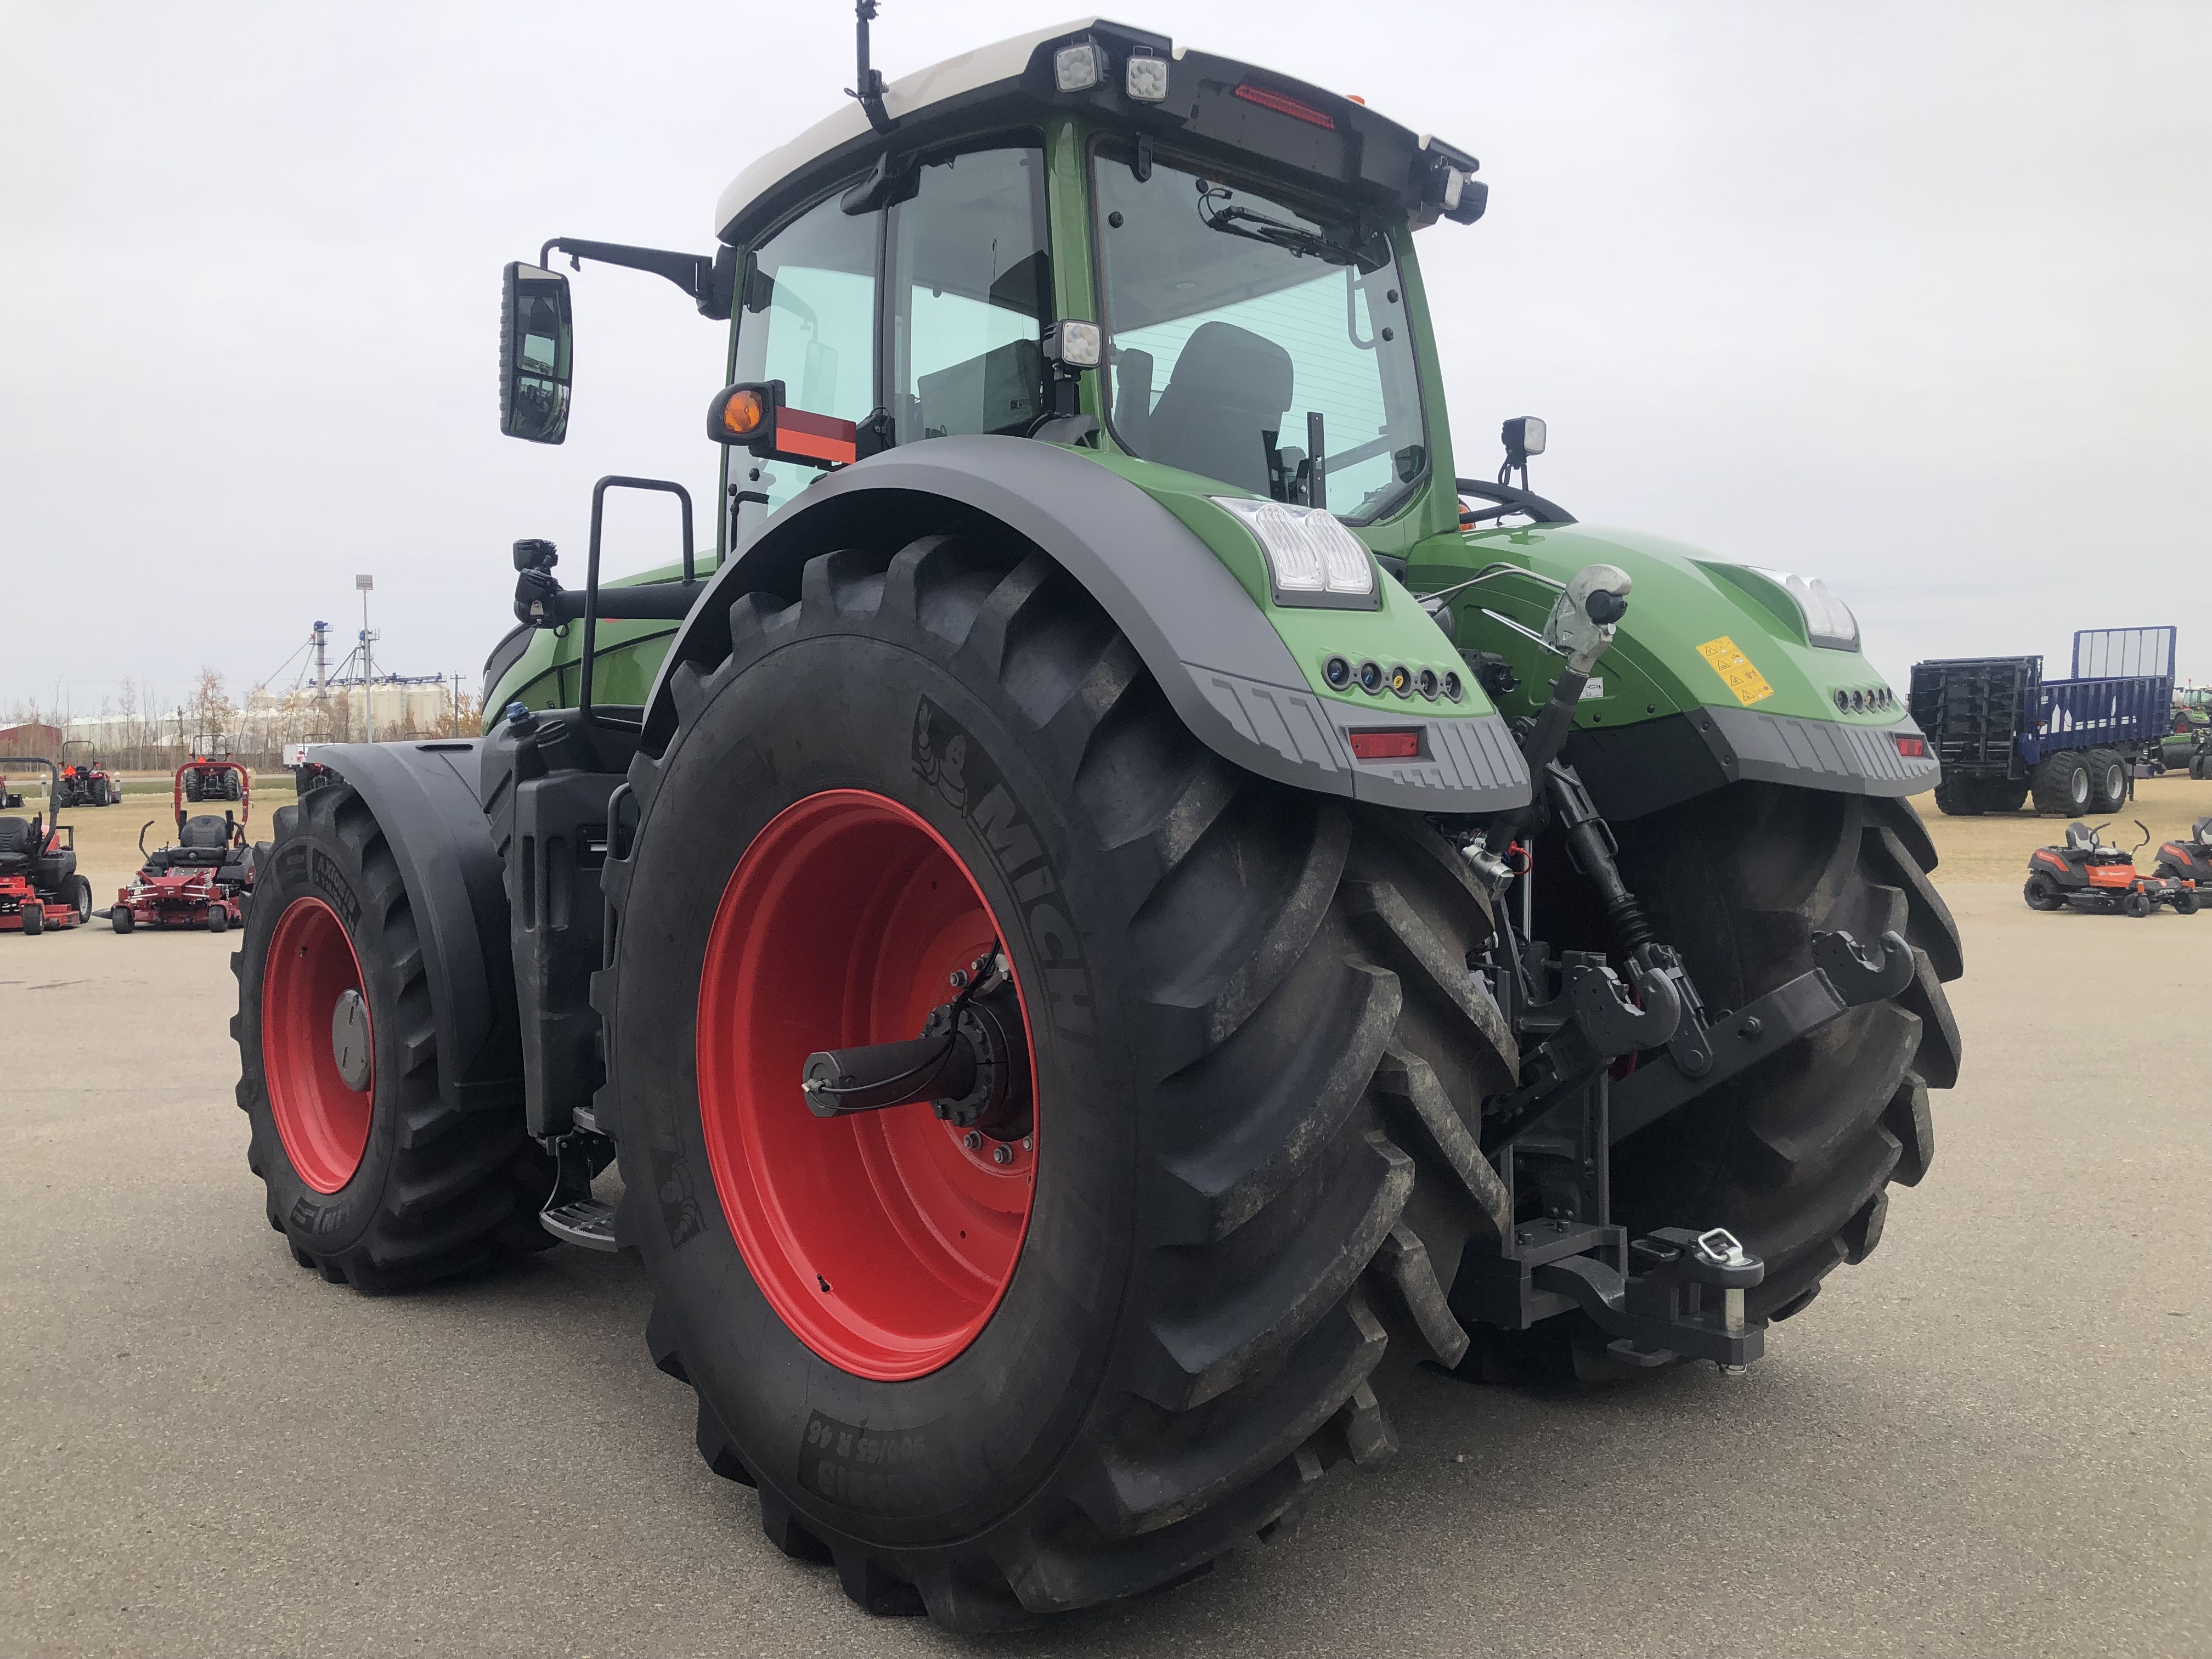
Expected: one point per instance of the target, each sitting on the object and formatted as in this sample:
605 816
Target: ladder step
583 1221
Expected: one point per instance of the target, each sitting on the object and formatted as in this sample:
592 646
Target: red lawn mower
2089 875
2190 861
40 887
206 879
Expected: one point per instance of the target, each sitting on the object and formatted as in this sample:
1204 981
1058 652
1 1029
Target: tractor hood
1718 663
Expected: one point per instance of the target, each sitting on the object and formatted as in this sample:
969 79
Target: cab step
583 1221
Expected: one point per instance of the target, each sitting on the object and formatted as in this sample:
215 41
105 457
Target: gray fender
425 799
1225 669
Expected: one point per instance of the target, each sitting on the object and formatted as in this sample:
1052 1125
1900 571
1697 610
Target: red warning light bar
1385 745
1284 105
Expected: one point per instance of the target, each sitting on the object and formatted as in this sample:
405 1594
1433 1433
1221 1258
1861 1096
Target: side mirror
536 333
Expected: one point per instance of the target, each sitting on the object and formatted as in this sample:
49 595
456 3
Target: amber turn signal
743 414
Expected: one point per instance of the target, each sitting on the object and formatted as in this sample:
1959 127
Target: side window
970 292
808 319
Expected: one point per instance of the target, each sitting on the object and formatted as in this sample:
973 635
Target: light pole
365 584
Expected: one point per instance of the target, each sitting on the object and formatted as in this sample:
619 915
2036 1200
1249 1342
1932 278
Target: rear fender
425 799
1224 666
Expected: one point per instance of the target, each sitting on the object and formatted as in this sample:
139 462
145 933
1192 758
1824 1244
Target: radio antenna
870 91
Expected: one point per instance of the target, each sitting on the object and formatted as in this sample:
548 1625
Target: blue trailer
2003 734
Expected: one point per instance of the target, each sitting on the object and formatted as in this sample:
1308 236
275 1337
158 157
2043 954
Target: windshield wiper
1234 221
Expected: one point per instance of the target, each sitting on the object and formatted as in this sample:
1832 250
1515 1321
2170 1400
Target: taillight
1283 105
1910 747
1386 745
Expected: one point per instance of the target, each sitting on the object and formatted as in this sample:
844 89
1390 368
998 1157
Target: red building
31 739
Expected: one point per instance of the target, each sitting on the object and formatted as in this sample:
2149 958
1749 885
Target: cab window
807 317
970 291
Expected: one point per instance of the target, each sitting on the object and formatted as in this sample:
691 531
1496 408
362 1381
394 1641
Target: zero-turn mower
1128 901
40 887
2189 859
205 878
2087 873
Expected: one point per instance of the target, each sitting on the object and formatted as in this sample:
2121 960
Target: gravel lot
1992 1439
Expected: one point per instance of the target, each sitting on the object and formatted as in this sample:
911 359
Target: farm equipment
2187 746
2003 734
2190 860
84 783
1126 903
40 887
205 878
212 780
2088 874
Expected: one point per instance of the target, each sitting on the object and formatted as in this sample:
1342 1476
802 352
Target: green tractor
1125 904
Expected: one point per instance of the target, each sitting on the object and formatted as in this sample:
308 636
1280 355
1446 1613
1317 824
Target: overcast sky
1911 297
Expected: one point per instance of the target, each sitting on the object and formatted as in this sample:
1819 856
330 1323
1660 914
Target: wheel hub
350 1038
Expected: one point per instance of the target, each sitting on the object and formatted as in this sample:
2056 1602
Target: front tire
1247 1009
374 1179
2042 893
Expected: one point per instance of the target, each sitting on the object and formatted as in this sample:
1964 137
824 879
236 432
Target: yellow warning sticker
1749 685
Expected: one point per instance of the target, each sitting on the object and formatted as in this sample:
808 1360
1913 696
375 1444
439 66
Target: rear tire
2063 786
1960 798
2108 781
80 895
389 1185
1247 1007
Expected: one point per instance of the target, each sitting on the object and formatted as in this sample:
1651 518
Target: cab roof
1213 103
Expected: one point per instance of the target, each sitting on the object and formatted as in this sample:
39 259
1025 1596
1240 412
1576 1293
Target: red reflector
1290 106
1912 747
1386 745
818 437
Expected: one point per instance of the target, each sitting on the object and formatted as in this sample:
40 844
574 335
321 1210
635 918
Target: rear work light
1385 745
1283 105
1912 747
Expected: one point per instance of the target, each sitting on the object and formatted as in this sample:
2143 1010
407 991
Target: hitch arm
1668 1308
1843 978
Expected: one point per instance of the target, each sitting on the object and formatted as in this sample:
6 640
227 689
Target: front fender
1224 666
425 796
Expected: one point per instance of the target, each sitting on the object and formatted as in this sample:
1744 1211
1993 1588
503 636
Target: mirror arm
708 279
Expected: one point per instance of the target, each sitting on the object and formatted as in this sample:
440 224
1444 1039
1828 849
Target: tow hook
1661 1310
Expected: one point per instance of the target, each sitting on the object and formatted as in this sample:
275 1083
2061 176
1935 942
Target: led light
1075 68
1284 104
743 414
1076 345
1828 620
1146 80
1308 551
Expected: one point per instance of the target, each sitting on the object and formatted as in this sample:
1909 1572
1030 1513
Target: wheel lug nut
1002 1153
972 1140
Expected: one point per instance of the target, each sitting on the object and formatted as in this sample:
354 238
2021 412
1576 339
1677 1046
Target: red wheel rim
323 1123
883 1241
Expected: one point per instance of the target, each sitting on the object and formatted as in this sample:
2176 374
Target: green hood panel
1689 617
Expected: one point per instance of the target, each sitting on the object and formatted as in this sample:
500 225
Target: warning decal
1749 685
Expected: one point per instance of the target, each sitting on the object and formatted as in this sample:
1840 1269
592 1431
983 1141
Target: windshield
1241 329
